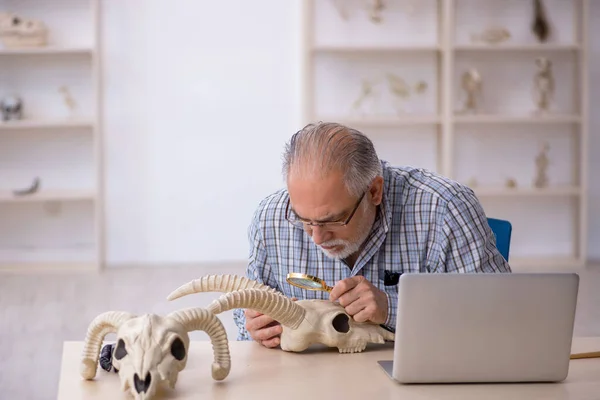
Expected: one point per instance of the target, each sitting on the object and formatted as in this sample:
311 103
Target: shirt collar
384 207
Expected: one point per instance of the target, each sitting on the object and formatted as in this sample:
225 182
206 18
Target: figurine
420 87
367 91
511 183
375 11
11 108
16 31
543 84
33 188
493 35
540 25
150 349
541 163
399 88
472 84
304 322
68 99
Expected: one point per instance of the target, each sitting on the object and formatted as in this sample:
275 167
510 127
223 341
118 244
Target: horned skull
304 322
151 350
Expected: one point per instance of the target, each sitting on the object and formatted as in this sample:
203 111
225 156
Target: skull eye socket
340 323
120 351
178 349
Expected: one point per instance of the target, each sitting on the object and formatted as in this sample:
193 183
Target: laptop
483 327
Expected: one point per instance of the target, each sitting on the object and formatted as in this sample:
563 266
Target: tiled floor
39 312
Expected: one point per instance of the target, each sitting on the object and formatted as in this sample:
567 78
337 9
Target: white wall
199 102
199 99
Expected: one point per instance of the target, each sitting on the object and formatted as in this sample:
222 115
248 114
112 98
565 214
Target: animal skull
16 31
304 322
151 349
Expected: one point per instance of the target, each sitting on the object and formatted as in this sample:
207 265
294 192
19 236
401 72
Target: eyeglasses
295 220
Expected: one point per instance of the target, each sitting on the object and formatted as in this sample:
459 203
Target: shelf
51 50
544 263
505 138
45 124
48 260
386 121
50 267
517 119
527 192
516 47
47 195
375 49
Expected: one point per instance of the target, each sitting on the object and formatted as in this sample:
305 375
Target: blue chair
502 230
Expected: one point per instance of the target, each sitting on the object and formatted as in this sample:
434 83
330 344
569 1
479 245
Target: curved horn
194 319
275 305
217 283
102 325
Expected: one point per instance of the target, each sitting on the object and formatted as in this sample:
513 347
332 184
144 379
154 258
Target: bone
387 335
101 326
203 319
273 304
217 283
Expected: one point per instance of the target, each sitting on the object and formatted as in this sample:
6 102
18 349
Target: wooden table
260 373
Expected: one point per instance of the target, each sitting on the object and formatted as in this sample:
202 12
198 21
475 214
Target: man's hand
363 301
263 329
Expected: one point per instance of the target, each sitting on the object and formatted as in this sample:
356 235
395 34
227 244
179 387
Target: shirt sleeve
257 269
392 298
467 242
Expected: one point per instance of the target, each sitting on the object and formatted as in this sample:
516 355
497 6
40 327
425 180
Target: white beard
349 247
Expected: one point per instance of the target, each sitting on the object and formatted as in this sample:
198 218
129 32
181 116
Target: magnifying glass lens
307 283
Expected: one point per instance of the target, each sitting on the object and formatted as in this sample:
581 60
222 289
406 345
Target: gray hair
323 147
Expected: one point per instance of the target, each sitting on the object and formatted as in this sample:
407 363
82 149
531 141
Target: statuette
541 163
543 85
472 84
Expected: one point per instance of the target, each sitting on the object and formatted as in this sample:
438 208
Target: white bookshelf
432 41
59 227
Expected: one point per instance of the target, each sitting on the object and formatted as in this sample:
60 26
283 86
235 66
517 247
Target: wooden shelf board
50 50
515 47
545 263
44 124
41 267
376 49
385 121
517 119
526 192
47 195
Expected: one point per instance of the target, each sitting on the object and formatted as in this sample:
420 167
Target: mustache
334 242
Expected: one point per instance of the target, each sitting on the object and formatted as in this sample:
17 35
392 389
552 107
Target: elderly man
359 223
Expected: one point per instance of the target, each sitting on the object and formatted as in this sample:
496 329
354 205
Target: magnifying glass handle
328 288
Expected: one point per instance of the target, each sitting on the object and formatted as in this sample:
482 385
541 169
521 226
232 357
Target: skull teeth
356 349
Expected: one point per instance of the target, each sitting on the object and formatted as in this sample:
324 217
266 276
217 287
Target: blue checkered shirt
426 223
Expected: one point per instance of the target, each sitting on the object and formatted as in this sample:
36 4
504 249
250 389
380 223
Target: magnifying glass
307 282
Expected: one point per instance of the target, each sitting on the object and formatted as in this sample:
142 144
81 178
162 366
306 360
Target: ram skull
151 350
304 322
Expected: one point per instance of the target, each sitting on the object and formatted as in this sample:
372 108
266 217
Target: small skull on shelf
11 108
